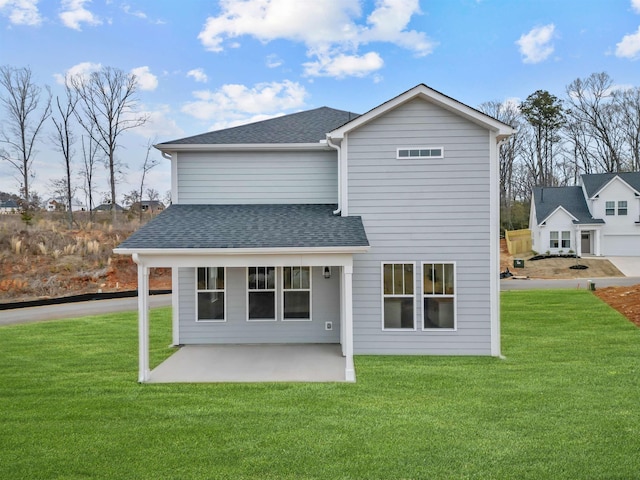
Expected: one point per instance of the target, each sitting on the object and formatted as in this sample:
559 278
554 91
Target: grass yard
565 403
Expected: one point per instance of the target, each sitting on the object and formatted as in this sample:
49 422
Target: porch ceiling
252 363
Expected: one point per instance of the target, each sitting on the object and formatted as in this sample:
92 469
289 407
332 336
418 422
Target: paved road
79 309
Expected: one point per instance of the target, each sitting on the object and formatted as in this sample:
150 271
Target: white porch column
143 322
596 242
347 289
342 315
175 306
578 242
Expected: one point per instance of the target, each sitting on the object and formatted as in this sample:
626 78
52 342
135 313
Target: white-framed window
622 207
210 294
261 293
566 240
296 293
554 240
610 208
420 152
398 296
439 295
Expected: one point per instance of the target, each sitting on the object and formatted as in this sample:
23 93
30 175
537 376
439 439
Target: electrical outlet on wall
328 325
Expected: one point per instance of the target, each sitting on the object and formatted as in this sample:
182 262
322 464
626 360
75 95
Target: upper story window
610 208
622 207
420 152
210 294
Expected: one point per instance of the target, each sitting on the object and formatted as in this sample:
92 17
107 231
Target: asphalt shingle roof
595 181
310 126
547 199
248 226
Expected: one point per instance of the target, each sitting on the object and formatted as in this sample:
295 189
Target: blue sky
205 65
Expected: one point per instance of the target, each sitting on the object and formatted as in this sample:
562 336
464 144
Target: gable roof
549 199
253 226
426 93
310 126
594 182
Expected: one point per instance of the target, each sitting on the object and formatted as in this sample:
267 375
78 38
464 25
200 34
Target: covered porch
252 363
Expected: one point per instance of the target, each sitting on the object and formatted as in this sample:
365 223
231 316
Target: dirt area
624 299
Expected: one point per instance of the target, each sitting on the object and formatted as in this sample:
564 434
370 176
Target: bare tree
108 109
149 163
89 158
64 139
595 123
26 112
628 104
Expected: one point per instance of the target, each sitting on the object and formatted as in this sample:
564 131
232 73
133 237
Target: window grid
261 281
553 239
296 280
398 296
210 294
622 207
566 239
610 208
439 296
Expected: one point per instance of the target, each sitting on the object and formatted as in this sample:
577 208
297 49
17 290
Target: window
622 207
296 293
610 208
261 293
420 152
398 296
210 294
553 240
438 287
566 239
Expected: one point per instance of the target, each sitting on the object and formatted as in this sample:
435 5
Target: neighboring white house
9 206
600 216
59 204
377 232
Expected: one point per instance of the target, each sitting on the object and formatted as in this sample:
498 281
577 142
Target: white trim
435 295
383 296
419 157
175 306
143 323
175 198
240 251
283 290
344 165
494 243
208 147
274 290
347 286
613 179
224 297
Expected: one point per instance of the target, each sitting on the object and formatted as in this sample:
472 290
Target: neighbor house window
398 295
566 239
210 294
553 240
420 152
622 207
296 293
261 293
439 295
610 208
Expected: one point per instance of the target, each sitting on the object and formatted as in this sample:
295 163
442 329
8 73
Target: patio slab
252 363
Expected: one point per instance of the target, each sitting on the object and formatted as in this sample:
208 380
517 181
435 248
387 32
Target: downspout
337 147
166 155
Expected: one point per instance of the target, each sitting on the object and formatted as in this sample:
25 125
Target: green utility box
518 263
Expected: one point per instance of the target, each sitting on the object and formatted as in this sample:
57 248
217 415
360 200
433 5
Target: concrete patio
252 363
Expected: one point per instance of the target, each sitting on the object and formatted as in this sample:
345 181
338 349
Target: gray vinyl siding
325 304
251 177
422 210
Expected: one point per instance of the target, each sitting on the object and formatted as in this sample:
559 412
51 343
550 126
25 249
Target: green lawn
565 403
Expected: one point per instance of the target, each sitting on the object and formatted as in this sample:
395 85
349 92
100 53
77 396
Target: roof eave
208 147
241 251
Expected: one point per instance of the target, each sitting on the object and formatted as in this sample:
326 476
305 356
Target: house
9 206
375 232
106 207
599 216
153 206
59 204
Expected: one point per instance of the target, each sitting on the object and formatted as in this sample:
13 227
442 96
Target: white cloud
342 65
146 79
326 27
159 123
135 13
635 4
74 14
233 102
629 46
273 61
21 12
198 75
241 120
536 46
82 70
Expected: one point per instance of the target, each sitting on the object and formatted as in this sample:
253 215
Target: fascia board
574 218
203 147
240 251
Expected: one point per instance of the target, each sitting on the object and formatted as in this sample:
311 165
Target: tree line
91 115
594 128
